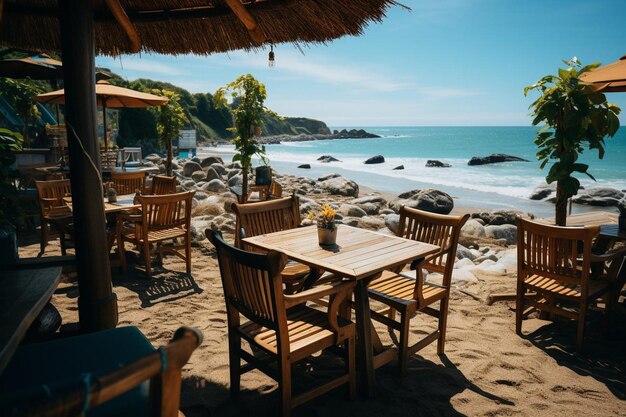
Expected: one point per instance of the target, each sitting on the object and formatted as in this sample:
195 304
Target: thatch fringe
190 27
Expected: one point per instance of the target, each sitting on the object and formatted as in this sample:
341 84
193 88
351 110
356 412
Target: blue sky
445 63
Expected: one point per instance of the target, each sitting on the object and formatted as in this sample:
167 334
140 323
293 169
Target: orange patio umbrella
112 96
609 78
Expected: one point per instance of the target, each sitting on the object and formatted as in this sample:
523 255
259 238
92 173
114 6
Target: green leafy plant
573 117
10 142
20 95
248 110
170 119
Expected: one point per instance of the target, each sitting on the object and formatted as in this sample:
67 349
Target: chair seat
560 289
154 235
294 271
401 289
308 329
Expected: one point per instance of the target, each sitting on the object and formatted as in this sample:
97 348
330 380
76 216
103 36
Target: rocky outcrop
338 185
543 192
431 200
433 163
601 196
371 204
327 158
210 160
499 217
378 159
495 159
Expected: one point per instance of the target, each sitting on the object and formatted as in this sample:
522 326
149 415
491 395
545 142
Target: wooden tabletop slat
606 220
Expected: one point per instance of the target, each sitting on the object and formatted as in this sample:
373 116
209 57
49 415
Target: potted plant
573 117
326 226
170 119
248 110
9 211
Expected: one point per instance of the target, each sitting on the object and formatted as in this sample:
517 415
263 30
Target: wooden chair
163 185
53 211
128 182
162 218
263 217
162 368
410 294
274 191
279 325
554 271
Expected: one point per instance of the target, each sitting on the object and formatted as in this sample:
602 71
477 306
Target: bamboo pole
122 18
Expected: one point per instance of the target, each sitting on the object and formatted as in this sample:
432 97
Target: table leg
364 343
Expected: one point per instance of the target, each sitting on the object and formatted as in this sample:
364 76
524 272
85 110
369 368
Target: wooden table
359 255
23 294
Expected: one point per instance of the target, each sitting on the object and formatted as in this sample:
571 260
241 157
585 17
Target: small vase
622 222
327 236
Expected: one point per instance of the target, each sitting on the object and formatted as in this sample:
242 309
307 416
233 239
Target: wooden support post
97 304
256 34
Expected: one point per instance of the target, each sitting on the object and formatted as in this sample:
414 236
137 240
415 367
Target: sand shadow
164 286
602 358
426 390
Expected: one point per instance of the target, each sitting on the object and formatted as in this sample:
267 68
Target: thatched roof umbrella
80 28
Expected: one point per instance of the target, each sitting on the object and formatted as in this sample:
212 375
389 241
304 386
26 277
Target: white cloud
447 92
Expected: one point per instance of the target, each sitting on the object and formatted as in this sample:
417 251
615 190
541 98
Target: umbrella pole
97 304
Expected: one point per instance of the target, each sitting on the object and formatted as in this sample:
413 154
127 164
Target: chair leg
403 354
121 253
392 315
235 363
443 322
147 258
62 241
43 237
519 309
285 387
580 333
350 367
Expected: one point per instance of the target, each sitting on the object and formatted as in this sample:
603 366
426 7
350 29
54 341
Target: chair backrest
436 229
50 195
132 154
255 219
166 211
275 191
128 182
252 284
163 185
164 376
555 252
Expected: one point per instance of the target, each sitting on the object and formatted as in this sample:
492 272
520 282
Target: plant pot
622 222
263 175
326 236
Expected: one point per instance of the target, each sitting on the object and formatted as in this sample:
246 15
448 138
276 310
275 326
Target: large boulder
153 158
210 160
328 176
198 176
339 186
508 232
494 159
392 221
378 159
220 168
429 199
433 163
351 210
215 186
212 174
497 217
601 196
543 192
473 228
371 204
190 167
327 158
235 180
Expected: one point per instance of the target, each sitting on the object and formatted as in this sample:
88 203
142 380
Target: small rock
508 232
219 168
212 174
305 166
210 160
392 221
433 163
191 167
327 158
494 159
473 228
399 167
198 176
215 186
351 210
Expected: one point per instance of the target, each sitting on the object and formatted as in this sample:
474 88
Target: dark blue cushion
59 364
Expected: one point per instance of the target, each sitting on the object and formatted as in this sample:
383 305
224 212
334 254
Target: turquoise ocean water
505 185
